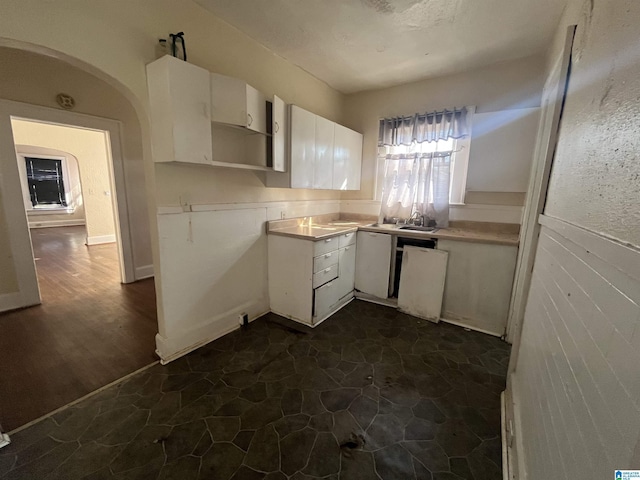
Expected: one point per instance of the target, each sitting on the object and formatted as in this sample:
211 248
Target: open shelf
241 166
240 128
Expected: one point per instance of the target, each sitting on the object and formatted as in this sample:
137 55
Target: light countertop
331 225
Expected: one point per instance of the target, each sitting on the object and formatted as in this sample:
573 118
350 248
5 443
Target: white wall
576 387
114 41
501 150
223 247
90 149
496 88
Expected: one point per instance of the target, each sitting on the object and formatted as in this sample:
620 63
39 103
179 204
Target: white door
346 271
279 134
422 282
373 263
323 165
303 147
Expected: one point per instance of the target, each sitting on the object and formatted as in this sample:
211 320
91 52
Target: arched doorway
70 362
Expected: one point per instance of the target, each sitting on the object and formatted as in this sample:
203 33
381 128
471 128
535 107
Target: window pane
46 185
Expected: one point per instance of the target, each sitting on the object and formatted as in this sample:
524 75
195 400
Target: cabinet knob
328 240
250 118
327 270
327 255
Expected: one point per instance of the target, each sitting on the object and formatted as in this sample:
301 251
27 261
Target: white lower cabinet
309 280
478 284
373 263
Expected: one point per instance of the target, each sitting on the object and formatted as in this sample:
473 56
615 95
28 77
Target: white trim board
270 206
100 239
57 223
145 271
13 301
169 349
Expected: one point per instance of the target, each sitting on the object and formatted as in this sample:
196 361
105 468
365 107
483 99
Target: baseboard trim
13 301
100 239
172 348
503 433
56 223
146 271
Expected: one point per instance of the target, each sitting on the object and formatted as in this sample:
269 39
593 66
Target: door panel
373 263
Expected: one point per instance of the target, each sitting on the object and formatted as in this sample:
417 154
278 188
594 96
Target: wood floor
89 331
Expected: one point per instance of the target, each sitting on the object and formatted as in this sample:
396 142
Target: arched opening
93 339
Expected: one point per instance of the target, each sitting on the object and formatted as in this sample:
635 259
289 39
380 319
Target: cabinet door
354 160
180 100
346 271
347 159
478 286
279 134
340 158
422 282
303 147
228 100
256 110
323 164
373 263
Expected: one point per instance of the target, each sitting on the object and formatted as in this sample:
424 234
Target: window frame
66 177
460 170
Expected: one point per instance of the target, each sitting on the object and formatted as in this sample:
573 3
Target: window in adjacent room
46 182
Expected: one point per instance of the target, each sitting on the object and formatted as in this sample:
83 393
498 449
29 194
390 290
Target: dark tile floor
370 393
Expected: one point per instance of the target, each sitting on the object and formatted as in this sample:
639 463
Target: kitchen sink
389 226
419 229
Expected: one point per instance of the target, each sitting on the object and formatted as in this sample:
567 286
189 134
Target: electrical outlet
283 215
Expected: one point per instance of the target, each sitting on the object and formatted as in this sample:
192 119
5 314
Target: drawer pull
327 270
346 248
327 255
328 240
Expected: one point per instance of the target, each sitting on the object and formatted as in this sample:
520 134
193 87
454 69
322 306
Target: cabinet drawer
326 275
325 246
346 239
325 297
324 261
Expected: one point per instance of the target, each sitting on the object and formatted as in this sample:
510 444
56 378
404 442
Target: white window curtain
417 174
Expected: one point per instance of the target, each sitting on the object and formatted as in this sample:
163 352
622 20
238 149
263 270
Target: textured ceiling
358 45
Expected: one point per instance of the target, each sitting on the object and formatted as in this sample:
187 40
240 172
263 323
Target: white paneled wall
576 389
214 266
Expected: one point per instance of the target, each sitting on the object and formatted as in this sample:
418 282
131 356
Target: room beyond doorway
89 330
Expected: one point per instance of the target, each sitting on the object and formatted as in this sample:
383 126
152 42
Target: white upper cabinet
323 162
303 147
179 102
235 102
347 159
324 154
279 131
